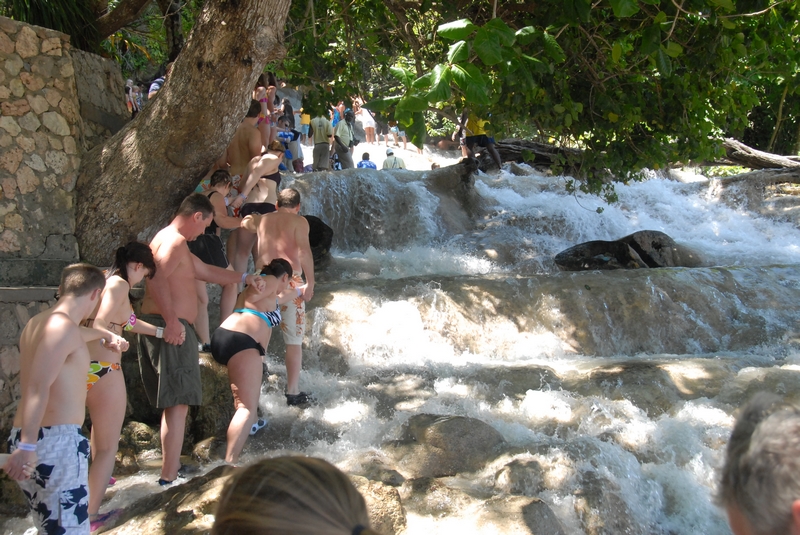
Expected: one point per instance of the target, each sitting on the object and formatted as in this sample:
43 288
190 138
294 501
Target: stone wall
39 154
56 104
101 93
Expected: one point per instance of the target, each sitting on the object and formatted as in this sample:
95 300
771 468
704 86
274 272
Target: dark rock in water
213 416
646 248
210 449
320 237
438 446
525 478
541 519
601 508
520 514
12 501
599 254
659 250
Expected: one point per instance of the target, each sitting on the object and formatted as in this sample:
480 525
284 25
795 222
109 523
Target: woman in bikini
241 341
106 396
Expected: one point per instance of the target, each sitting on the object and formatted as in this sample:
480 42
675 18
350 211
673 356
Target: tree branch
126 12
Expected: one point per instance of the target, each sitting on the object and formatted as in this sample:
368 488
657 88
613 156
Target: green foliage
74 17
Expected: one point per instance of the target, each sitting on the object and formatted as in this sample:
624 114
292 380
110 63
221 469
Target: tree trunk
521 150
740 154
129 187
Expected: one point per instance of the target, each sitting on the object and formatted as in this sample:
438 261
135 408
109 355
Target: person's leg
106 402
294 363
240 244
244 372
495 155
173 425
264 129
201 323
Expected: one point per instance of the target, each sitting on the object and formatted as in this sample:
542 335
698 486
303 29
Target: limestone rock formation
438 446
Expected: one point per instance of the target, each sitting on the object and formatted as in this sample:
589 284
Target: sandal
256 427
301 398
101 519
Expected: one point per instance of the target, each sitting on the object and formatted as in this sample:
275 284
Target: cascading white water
412 318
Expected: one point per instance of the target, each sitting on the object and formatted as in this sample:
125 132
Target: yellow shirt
474 125
305 118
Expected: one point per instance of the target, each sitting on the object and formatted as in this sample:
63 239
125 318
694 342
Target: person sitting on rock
291 496
240 342
392 161
365 163
760 487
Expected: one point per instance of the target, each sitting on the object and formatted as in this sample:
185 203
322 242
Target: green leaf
381 104
423 81
458 52
412 103
727 5
568 120
416 130
404 75
558 108
466 75
553 49
457 30
536 64
673 49
487 45
613 117
624 8
663 62
584 9
661 17
651 40
440 89
499 28
616 52
728 25
526 35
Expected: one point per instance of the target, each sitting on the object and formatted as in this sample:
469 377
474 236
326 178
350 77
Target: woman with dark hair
106 396
265 117
288 112
291 496
241 341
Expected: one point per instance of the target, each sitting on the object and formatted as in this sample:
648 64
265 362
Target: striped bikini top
271 318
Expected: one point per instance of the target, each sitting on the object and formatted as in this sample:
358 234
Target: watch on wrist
159 332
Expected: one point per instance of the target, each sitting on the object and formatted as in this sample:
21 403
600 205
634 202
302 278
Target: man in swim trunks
49 457
171 370
284 234
261 193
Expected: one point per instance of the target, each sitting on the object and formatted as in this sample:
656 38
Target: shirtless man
171 370
46 439
260 194
284 234
245 145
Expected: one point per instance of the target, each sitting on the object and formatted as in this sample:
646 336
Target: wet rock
517 514
646 248
599 254
210 449
430 496
12 500
186 508
139 437
600 508
214 415
376 470
126 461
320 238
387 515
437 446
520 477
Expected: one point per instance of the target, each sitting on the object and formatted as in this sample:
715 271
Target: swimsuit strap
271 318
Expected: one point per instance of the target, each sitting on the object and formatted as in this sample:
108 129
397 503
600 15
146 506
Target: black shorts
226 343
208 248
482 141
256 208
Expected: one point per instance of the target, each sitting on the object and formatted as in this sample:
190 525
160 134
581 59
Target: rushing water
622 381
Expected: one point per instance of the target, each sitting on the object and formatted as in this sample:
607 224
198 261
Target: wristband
299 292
159 332
244 277
263 100
243 196
24 446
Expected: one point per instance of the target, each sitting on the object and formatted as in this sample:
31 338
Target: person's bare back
245 145
48 337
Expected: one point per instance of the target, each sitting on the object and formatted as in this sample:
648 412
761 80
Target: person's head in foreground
291 496
760 483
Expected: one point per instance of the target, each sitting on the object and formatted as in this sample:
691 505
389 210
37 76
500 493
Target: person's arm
221 217
253 174
115 296
222 276
61 339
305 257
167 259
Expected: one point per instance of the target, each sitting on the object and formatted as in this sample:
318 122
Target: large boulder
320 238
387 515
642 249
439 446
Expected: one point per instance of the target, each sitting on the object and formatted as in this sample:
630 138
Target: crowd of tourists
70 355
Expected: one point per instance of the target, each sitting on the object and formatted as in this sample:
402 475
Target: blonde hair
291 496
